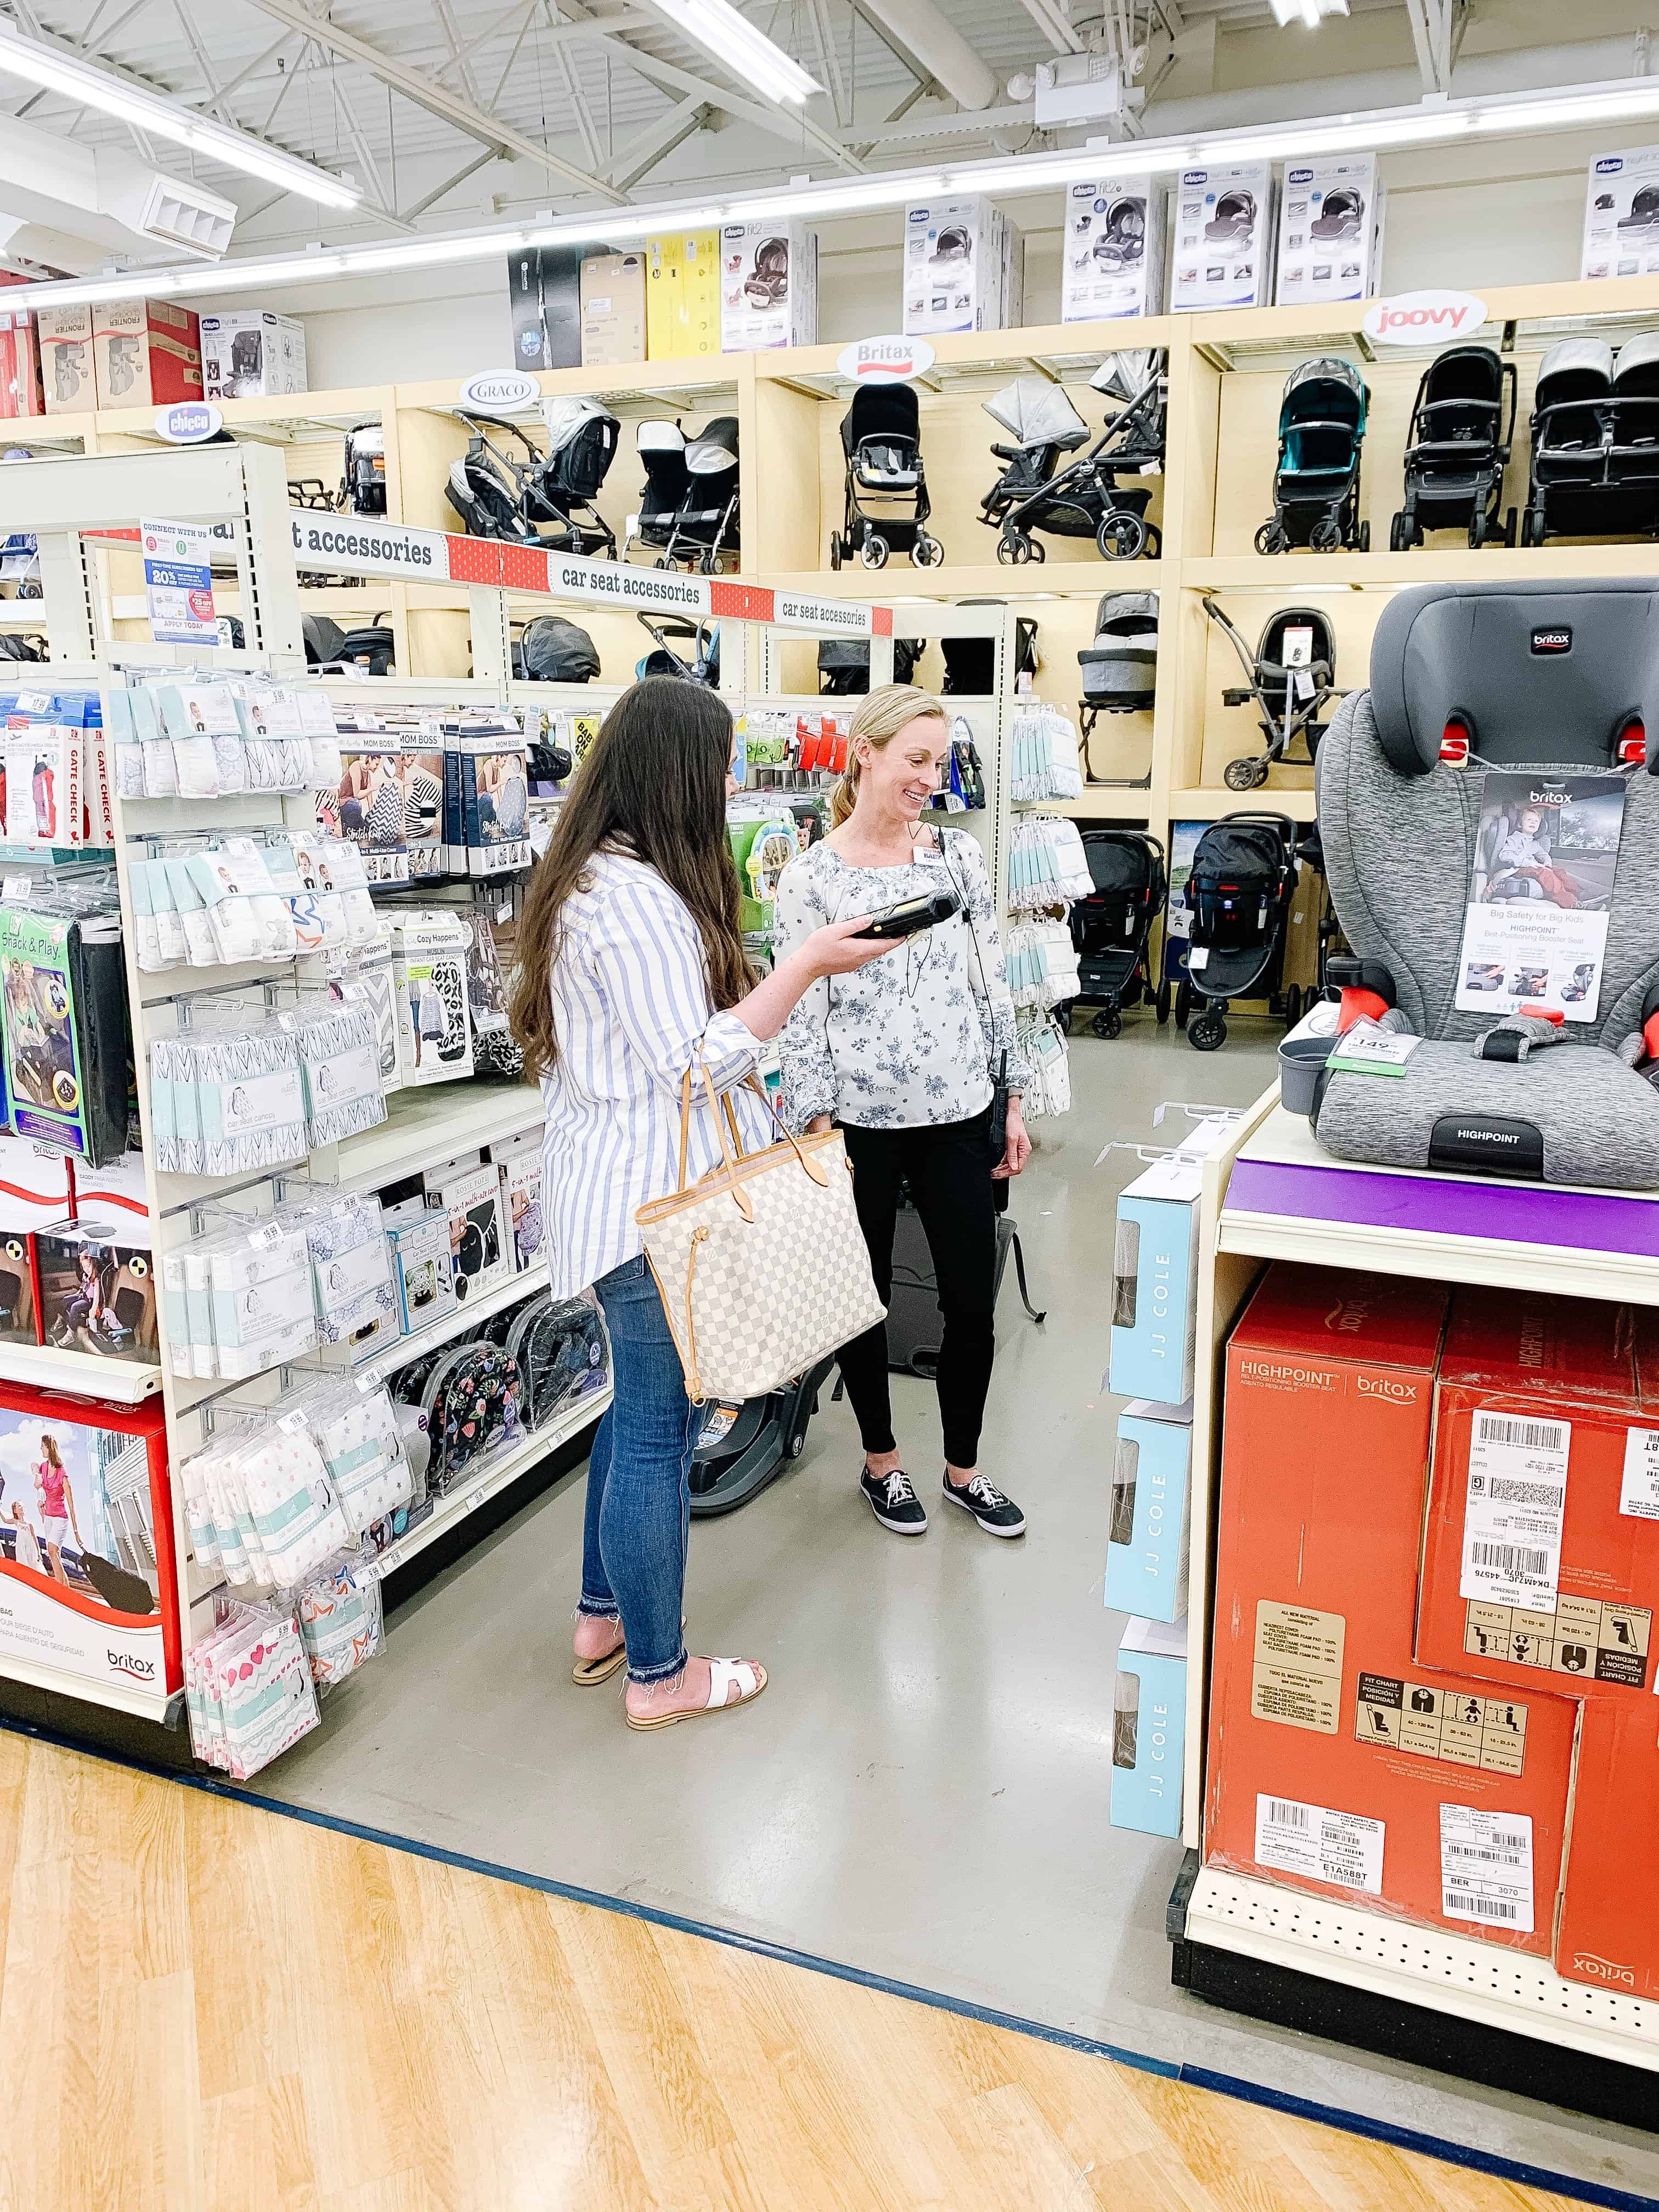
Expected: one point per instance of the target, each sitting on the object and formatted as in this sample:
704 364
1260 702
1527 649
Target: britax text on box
1146 1543
1149 1727
1155 1286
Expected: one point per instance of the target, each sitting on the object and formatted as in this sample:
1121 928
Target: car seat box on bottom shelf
1335 1765
1608 1933
1541 1551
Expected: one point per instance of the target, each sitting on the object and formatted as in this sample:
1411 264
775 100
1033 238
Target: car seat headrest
1528 673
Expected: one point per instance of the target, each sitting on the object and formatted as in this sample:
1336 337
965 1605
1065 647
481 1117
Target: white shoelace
986 1492
898 1488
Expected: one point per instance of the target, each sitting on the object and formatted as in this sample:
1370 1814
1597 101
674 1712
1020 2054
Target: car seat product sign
1224 237
1330 230
178 582
1112 250
1621 215
1535 929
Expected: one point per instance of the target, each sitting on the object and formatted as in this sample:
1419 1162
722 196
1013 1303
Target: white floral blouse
912 1039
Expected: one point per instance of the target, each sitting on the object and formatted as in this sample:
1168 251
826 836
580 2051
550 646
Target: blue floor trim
1197 2077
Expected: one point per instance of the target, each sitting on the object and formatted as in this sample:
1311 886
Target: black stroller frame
887 502
1272 687
1085 499
499 493
1112 928
1232 970
1458 445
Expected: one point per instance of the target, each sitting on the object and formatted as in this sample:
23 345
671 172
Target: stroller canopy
714 451
1327 389
566 419
1122 865
554 651
582 437
1122 616
1637 376
886 411
1126 375
1037 413
1469 372
1575 368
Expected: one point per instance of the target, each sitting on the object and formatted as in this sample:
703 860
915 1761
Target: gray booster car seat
1553 680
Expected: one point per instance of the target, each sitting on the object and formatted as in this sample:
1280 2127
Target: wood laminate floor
203 2005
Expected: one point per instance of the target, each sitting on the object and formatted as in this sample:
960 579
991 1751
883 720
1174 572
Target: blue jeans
634 1534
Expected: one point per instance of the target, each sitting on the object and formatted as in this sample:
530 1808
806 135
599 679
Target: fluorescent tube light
731 39
56 70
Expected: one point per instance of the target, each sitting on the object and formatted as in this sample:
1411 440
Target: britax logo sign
1386 1386
1419 318
126 1662
1603 1970
885 361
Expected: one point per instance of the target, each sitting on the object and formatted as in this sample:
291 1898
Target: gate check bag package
1540 1556
1337 1765
64 1021
761 1265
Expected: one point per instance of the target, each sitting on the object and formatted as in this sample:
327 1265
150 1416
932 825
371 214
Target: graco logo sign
505 392
1424 319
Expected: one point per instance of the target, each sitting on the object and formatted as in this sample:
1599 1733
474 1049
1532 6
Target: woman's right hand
837 949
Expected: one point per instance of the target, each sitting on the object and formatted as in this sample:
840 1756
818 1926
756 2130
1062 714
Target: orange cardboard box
1609 1932
1540 1553
1336 1765
21 391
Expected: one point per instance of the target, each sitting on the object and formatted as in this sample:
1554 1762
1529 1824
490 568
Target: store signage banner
885 361
368 548
178 581
507 391
1424 319
188 423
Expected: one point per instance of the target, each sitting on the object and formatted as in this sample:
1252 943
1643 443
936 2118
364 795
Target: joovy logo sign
885 361
1418 318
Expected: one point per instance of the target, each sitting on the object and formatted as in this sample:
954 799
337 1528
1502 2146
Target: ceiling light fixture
1310 12
1436 123
747 52
55 70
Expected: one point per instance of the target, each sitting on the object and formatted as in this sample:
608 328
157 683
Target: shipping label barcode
1512 1840
1530 1435
1510 1559
1478 1908
1288 1815
1473 1851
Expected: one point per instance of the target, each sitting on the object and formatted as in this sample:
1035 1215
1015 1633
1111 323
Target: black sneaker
997 1515
894 1503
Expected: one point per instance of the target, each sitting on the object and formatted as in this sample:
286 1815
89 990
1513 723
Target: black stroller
1120 669
1112 928
689 507
1085 499
1463 426
363 482
887 502
1287 680
559 494
1595 442
970 662
844 665
551 649
1322 428
1239 894
662 448
486 486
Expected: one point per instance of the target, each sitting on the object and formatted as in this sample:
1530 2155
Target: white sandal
750 1676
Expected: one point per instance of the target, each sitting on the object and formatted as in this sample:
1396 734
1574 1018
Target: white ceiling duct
925 32
74 207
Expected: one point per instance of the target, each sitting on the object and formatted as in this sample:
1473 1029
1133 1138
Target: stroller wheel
1244 774
663 561
1365 536
1161 1003
1477 531
1399 534
1109 1024
873 551
1532 526
1121 536
711 565
835 550
1183 1003
1208 1033
1271 539
1327 536
1294 1008
1011 549
1154 542
928 552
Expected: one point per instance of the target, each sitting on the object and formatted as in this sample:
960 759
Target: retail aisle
922 1793
206 2006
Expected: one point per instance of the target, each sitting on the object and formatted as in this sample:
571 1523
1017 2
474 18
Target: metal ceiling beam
1055 24
1437 28
656 142
506 21
426 91
430 199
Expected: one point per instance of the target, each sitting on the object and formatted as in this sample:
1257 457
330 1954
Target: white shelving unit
81 1374
1274 1195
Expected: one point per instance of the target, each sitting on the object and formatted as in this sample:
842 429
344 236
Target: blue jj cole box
1146 1542
1149 1726
1155 1272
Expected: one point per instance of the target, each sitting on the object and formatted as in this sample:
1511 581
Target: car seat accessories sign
178 581
190 423
1424 319
508 391
885 361
1535 928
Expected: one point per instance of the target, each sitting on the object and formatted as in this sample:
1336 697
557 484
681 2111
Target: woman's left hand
1018 1149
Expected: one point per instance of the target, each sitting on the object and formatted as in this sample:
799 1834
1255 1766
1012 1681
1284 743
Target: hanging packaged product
199 753
369 807
248 1689
247 917
1330 230
227 1096
363 972
1047 864
1043 758
469 1192
55 787
339 1066
316 721
340 1618
1112 250
486 798
434 1024
356 1303
357 1433
1223 238
63 1033
421 772
495 1051
1535 929
97 1286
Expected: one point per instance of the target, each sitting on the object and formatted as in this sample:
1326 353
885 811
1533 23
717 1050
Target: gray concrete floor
923 1791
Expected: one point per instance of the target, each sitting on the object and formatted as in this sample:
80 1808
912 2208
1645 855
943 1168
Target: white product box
1146 1541
252 355
469 1192
1224 237
958 272
1330 231
1112 250
1621 215
768 286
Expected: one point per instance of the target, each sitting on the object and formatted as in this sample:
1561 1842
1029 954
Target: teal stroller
1322 428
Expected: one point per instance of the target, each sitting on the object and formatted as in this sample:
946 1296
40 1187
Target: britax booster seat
1539 684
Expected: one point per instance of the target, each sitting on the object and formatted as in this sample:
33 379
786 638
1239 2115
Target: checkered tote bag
761 1265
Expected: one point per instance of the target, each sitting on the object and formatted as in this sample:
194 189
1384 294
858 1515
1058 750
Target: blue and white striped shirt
631 1013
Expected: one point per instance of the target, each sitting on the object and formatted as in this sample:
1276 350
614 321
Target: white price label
291 1423
1486 1866
1367 1050
371 1379
1638 1495
1512 1515
34 703
1320 1844
263 1239
15 890
1198 959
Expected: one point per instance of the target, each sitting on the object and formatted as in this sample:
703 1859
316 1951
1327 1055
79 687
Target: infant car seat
1233 221
1554 677
769 284
1340 215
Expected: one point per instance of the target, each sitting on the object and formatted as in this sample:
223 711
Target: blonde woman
903 1055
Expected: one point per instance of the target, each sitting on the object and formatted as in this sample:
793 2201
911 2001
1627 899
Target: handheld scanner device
912 914
1365 989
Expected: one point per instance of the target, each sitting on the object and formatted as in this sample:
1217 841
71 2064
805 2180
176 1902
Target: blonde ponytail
889 708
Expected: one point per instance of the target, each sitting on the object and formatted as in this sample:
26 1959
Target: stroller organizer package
1595 442
689 507
1238 893
1322 428
1288 680
1112 927
1120 669
1457 448
1085 499
1518 967
887 503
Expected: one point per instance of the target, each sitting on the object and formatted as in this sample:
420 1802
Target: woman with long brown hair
631 970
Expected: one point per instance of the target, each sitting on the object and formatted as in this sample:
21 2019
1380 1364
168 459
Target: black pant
948 1167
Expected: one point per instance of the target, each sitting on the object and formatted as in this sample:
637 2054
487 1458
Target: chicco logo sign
1603 1970
1417 318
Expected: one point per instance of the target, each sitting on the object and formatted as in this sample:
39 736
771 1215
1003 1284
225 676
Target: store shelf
125 1696
1105 802
486 1481
1483 1982
1289 1199
1287 574
1199 804
81 1374
424 1126
899 583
